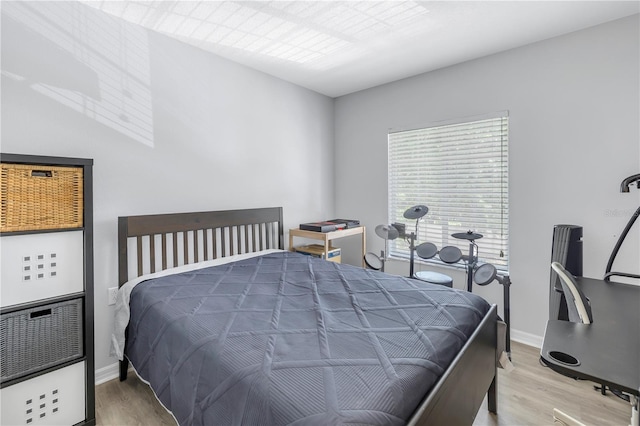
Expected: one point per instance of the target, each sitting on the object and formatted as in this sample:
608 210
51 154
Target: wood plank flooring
526 396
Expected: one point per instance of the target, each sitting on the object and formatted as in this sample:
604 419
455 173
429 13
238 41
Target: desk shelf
326 237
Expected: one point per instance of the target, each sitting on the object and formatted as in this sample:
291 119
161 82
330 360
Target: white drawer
56 398
39 266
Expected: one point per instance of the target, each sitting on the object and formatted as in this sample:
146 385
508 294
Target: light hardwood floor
526 396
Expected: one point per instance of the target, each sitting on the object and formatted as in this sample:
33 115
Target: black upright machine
624 187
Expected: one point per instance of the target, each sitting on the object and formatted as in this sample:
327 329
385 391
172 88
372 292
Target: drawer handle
41 173
41 313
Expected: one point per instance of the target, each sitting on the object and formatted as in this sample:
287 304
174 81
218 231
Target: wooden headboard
163 241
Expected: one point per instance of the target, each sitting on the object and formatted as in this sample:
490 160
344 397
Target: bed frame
454 400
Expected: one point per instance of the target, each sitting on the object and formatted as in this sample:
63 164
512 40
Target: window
460 171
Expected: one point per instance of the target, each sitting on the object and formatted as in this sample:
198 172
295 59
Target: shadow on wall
71 54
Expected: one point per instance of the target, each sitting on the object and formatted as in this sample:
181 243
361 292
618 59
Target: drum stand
472 257
506 283
471 264
412 247
486 274
383 253
417 213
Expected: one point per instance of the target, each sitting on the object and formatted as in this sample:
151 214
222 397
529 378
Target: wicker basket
40 197
36 338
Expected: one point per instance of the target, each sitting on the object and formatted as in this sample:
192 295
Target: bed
254 334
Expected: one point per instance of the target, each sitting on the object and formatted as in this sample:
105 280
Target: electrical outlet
112 295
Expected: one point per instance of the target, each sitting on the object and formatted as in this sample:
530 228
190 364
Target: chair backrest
578 305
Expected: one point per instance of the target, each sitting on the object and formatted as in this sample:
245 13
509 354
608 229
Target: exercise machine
624 187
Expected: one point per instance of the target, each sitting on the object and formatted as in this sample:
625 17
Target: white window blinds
459 171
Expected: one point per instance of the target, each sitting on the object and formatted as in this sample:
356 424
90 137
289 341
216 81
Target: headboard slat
205 244
196 255
164 251
185 247
214 239
268 235
175 249
254 227
139 250
152 253
261 239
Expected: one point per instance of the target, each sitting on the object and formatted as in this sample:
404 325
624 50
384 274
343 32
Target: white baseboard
526 338
107 373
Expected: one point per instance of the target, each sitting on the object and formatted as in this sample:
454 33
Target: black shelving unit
48 330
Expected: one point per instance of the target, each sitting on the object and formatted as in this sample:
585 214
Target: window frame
475 147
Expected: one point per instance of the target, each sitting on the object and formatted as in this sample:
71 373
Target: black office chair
578 305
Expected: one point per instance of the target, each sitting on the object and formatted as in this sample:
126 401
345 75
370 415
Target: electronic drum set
482 274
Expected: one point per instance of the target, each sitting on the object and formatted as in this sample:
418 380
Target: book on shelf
322 226
349 223
330 225
317 250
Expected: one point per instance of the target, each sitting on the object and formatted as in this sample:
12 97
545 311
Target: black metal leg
471 263
412 248
507 312
492 395
124 367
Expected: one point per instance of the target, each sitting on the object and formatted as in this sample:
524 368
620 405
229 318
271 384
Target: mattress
285 338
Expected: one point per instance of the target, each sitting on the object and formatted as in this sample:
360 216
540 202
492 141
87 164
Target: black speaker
566 249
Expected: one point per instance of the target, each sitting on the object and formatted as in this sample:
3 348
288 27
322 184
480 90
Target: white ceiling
339 47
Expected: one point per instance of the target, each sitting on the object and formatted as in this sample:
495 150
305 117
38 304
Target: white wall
170 127
574 113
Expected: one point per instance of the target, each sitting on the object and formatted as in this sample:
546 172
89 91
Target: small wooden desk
326 237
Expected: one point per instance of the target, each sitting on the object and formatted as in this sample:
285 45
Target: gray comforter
289 339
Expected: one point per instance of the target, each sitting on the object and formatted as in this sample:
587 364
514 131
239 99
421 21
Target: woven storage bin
40 197
37 338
